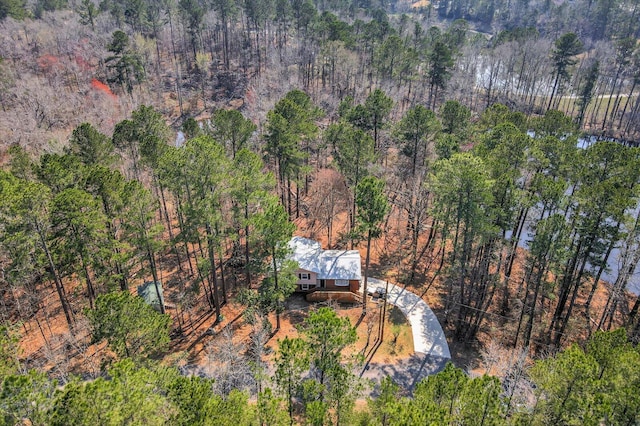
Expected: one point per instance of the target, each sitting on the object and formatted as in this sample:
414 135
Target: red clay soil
200 331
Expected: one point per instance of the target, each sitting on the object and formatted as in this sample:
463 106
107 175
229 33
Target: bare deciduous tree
228 364
327 199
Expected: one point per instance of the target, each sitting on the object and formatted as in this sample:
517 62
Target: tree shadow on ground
407 373
396 317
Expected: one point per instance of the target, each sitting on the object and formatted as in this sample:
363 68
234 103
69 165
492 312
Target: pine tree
131 327
372 209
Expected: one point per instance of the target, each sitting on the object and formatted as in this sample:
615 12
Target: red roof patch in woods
98 85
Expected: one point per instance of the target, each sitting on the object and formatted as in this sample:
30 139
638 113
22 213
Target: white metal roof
328 264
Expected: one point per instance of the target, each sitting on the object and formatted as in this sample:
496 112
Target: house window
304 276
342 283
305 287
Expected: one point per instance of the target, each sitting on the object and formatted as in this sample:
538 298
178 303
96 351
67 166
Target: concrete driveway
429 342
428 337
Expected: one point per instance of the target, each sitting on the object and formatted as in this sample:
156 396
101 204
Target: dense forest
183 144
187 57
592 385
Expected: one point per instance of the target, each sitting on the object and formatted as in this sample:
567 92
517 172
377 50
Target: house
325 270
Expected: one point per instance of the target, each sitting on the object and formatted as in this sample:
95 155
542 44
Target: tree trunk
56 278
596 280
222 280
553 91
174 248
214 276
366 275
613 88
275 283
154 274
246 244
626 104
91 293
182 231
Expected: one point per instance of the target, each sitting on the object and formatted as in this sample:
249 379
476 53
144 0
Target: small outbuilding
150 291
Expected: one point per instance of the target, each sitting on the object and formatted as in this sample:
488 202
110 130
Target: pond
613 265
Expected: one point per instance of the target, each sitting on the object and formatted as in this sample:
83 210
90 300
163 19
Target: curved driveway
428 337
429 342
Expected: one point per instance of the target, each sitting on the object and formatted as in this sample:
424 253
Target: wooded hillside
183 144
186 58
